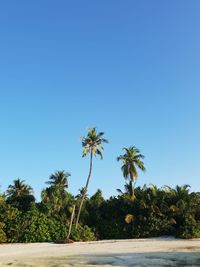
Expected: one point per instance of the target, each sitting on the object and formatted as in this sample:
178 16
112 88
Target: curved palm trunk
85 191
71 222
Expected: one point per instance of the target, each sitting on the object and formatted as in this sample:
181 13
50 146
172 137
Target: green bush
86 234
57 230
10 217
189 229
82 233
35 227
154 211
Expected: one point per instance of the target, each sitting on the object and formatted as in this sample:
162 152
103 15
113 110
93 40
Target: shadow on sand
170 259
144 259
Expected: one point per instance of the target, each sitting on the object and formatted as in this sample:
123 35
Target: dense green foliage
134 213
153 212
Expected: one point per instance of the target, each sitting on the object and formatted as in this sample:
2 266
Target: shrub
82 233
35 227
189 229
9 216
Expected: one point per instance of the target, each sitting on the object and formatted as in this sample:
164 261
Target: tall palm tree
91 144
19 188
130 160
59 180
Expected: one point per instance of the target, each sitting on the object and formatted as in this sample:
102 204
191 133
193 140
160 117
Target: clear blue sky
131 68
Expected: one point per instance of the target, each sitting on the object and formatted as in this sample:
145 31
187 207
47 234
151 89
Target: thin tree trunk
85 191
133 189
132 184
71 222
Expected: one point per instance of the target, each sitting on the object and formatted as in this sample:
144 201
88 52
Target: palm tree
181 205
56 197
91 144
19 188
130 160
20 195
128 190
59 180
178 198
81 193
179 192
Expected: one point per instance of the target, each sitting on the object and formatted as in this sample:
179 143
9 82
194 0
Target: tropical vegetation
135 212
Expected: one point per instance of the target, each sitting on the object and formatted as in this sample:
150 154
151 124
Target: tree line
135 212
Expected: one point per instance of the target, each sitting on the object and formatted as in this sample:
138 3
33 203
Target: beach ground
136 252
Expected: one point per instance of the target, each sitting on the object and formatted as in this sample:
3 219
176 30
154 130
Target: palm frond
129 218
92 143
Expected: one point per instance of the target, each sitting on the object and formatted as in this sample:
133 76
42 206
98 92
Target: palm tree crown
92 143
130 159
59 179
19 188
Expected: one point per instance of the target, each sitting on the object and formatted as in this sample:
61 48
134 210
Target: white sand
136 252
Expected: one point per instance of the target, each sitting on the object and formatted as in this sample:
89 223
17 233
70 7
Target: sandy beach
137 252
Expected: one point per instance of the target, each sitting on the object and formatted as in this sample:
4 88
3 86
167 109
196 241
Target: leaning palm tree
19 188
130 160
91 144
